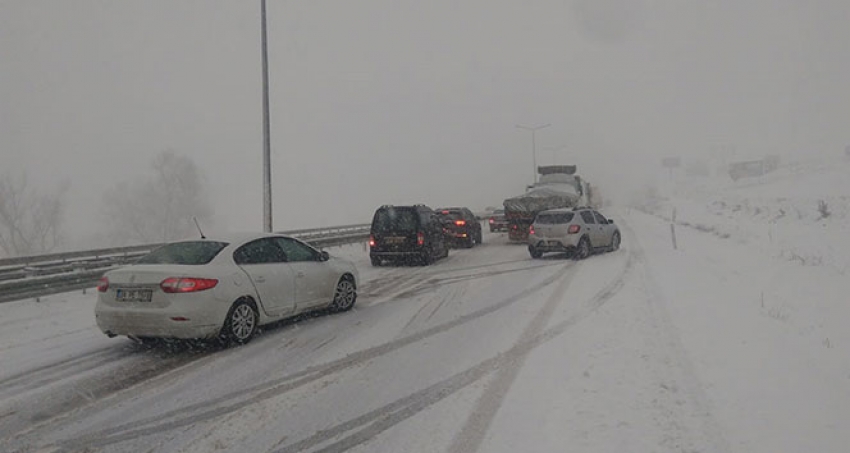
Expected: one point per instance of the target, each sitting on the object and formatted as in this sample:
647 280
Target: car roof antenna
199 227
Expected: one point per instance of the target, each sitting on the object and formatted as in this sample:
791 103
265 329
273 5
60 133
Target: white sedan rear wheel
241 323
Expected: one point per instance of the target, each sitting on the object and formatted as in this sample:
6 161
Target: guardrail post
673 230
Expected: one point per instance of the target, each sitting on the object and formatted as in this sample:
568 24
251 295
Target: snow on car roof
234 237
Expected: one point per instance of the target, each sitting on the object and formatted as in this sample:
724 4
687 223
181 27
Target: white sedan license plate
133 295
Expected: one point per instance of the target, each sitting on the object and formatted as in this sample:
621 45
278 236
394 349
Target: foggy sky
401 101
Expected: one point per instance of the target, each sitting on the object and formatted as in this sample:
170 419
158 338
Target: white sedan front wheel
615 242
345 296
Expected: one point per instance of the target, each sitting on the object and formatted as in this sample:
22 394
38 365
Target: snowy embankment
801 213
758 289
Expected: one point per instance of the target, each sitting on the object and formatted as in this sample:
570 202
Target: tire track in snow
29 344
237 400
376 285
454 292
400 290
471 436
379 420
59 405
429 284
145 371
59 370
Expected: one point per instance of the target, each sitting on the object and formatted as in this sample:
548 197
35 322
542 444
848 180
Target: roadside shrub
823 209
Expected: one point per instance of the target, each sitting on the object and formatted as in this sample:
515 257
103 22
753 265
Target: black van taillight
420 238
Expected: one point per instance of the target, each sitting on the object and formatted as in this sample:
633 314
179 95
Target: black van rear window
451 215
390 220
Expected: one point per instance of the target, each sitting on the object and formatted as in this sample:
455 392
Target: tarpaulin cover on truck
540 198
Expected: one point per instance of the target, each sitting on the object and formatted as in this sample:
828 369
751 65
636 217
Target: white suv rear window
561 217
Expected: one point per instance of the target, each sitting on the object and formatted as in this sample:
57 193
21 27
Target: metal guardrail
41 275
319 232
66 256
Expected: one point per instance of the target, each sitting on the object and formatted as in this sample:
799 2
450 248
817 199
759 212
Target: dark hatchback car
461 226
406 235
498 221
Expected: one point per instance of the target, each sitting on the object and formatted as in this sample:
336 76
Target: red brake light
460 222
445 212
492 220
574 229
531 229
103 284
187 285
372 242
420 238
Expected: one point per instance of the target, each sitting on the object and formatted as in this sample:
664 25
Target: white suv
578 232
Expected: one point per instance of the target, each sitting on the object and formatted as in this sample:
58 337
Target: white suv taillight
103 285
574 229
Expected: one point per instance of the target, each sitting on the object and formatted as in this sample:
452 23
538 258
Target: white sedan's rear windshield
188 253
561 217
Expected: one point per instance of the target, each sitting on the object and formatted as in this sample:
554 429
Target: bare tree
159 209
30 221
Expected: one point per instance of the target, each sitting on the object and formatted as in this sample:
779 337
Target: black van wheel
427 257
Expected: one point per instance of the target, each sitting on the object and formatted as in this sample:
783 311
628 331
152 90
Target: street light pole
533 145
555 149
267 146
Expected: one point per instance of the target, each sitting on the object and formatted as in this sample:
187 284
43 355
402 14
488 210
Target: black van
407 234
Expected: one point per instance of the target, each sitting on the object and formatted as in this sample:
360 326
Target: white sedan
221 288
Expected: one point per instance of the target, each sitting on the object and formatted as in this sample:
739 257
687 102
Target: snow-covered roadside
758 288
801 213
767 336
688 356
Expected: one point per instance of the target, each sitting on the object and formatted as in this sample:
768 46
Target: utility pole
267 145
554 150
533 146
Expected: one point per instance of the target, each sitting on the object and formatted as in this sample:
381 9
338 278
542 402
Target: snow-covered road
485 351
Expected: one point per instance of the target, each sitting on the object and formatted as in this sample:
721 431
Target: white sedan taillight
187 285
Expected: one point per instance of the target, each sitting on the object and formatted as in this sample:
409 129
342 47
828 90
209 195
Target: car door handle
300 275
260 279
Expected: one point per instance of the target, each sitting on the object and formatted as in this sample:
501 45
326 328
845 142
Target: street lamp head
532 128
